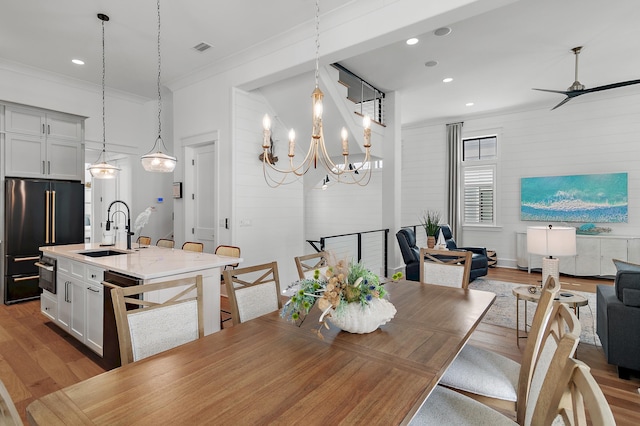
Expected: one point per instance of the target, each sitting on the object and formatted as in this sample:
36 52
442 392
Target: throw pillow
621 265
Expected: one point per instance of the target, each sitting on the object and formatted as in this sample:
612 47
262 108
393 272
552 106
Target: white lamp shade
158 162
551 241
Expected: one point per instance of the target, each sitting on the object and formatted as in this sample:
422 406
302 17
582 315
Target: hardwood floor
37 358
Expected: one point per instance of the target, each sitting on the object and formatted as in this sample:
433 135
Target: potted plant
430 221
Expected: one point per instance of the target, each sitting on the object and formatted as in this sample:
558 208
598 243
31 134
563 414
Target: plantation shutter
479 190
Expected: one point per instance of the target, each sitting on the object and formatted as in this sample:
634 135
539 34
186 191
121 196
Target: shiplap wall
268 221
597 133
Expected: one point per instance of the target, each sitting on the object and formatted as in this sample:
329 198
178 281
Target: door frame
189 144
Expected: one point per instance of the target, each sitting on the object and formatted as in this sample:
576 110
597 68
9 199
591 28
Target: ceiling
495 58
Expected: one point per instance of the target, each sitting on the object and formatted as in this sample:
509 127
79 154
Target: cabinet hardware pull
93 290
26 278
22 259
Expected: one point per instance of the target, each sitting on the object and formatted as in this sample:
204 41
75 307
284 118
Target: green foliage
430 221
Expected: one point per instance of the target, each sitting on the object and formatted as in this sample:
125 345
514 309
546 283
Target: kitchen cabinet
78 303
594 254
43 144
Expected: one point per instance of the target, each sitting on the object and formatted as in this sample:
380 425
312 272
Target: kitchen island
78 305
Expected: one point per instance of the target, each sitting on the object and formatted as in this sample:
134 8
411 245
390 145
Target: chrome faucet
127 227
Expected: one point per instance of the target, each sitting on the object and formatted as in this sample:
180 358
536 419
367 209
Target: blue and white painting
577 198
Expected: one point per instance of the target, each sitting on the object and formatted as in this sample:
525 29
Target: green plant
430 220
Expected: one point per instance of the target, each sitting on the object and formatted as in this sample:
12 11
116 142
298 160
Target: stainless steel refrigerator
38 212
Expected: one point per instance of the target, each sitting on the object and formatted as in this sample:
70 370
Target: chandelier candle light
317 150
156 160
551 241
102 169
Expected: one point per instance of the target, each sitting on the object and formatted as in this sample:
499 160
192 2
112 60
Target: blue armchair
479 259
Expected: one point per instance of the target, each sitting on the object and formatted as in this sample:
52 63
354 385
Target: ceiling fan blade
611 86
562 92
567 99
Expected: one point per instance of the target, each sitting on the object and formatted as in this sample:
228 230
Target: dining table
272 371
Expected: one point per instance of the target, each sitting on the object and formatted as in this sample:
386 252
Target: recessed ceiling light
77 61
447 80
412 41
469 104
431 63
442 31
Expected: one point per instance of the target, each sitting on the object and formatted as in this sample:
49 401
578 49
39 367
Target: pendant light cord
159 68
104 132
317 40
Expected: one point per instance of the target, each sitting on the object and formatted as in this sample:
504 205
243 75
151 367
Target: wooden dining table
271 371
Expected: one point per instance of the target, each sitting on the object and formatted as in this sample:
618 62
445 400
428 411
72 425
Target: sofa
479 259
410 253
618 322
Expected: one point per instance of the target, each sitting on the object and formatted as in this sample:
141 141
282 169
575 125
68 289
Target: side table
570 298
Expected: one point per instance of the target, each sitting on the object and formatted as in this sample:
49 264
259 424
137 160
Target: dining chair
8 413
164 242
253 291
445 267
308 264
144 241
232 251
494 379
577 393
193 246
445 406
147 327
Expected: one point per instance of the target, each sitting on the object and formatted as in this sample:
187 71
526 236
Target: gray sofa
618 322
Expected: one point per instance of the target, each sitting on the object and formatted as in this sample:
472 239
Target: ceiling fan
577 89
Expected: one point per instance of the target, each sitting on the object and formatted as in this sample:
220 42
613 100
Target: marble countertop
147 263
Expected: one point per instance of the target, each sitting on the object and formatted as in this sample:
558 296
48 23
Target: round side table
570 298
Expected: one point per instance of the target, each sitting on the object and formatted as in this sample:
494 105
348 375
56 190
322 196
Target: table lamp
550 241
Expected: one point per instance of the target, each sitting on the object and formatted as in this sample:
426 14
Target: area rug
503 310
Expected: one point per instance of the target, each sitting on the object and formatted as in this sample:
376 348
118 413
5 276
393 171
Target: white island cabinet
78 305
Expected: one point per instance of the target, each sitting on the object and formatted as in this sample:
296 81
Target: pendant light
156 160
102 169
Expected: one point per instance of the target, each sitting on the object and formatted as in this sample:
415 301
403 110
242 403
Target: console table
594 254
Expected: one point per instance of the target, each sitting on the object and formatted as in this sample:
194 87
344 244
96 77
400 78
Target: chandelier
344 172
102 169
156 160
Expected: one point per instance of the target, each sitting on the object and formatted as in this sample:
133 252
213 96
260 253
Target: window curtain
454 142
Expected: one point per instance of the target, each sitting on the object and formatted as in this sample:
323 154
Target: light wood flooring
37 358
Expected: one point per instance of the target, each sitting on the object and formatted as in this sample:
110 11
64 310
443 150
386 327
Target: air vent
202 47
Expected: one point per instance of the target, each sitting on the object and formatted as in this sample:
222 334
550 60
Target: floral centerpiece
349 296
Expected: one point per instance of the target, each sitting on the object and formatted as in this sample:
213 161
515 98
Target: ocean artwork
597 198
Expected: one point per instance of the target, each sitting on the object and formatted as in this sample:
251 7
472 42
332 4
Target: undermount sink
101 253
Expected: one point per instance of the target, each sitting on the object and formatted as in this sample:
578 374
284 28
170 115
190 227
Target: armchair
479 259
618 322
410 253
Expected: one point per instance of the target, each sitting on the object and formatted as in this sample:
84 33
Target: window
479 163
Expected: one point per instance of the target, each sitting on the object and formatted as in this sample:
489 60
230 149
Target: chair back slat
164 242
308 264
193 246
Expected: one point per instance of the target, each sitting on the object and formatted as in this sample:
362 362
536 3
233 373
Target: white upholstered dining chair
494 379
8 413
308 264
560 340
147 327
253 291
445 267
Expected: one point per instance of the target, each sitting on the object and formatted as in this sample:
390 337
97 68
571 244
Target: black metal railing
369 247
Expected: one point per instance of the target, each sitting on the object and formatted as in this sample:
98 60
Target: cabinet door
63 283
63 127
611 248
93 321
77 294
25 121
588 257
64 159
49 305
25 156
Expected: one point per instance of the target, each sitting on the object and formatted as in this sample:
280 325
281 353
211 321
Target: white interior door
204 195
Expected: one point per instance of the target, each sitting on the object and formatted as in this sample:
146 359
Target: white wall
597 133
